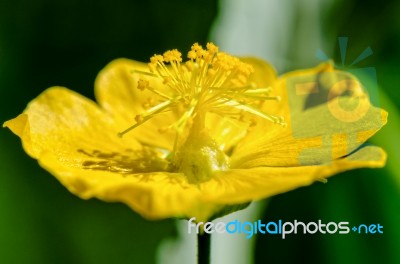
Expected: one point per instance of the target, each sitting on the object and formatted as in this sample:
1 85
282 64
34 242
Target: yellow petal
154 195
20 127
76 141
116 91
241 185
313 139
319 129
69 126
227 132
264 74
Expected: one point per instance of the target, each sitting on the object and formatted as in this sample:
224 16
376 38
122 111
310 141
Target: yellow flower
189 139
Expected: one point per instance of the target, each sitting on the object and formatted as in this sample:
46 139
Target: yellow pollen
139 118
156 58
212 48
172 55
167 80
192 55
149 103
210 81
143 84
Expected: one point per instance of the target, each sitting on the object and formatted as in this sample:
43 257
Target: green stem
203 248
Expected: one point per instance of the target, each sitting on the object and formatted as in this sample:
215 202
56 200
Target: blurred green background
45 43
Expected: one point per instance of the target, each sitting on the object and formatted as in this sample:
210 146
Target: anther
139 118
156 58
143 84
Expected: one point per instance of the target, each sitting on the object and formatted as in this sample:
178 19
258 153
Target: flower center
199 156
208 82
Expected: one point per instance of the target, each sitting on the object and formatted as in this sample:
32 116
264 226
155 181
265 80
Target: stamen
257 112
145 73
140 119
209 81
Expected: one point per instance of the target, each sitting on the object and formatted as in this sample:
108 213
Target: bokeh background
45 43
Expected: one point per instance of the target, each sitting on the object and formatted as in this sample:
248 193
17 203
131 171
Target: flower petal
73 139
264 74
116 91
226 131
242 185
319 129
153 195
312 140
70 126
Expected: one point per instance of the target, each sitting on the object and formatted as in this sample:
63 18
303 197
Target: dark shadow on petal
127 162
